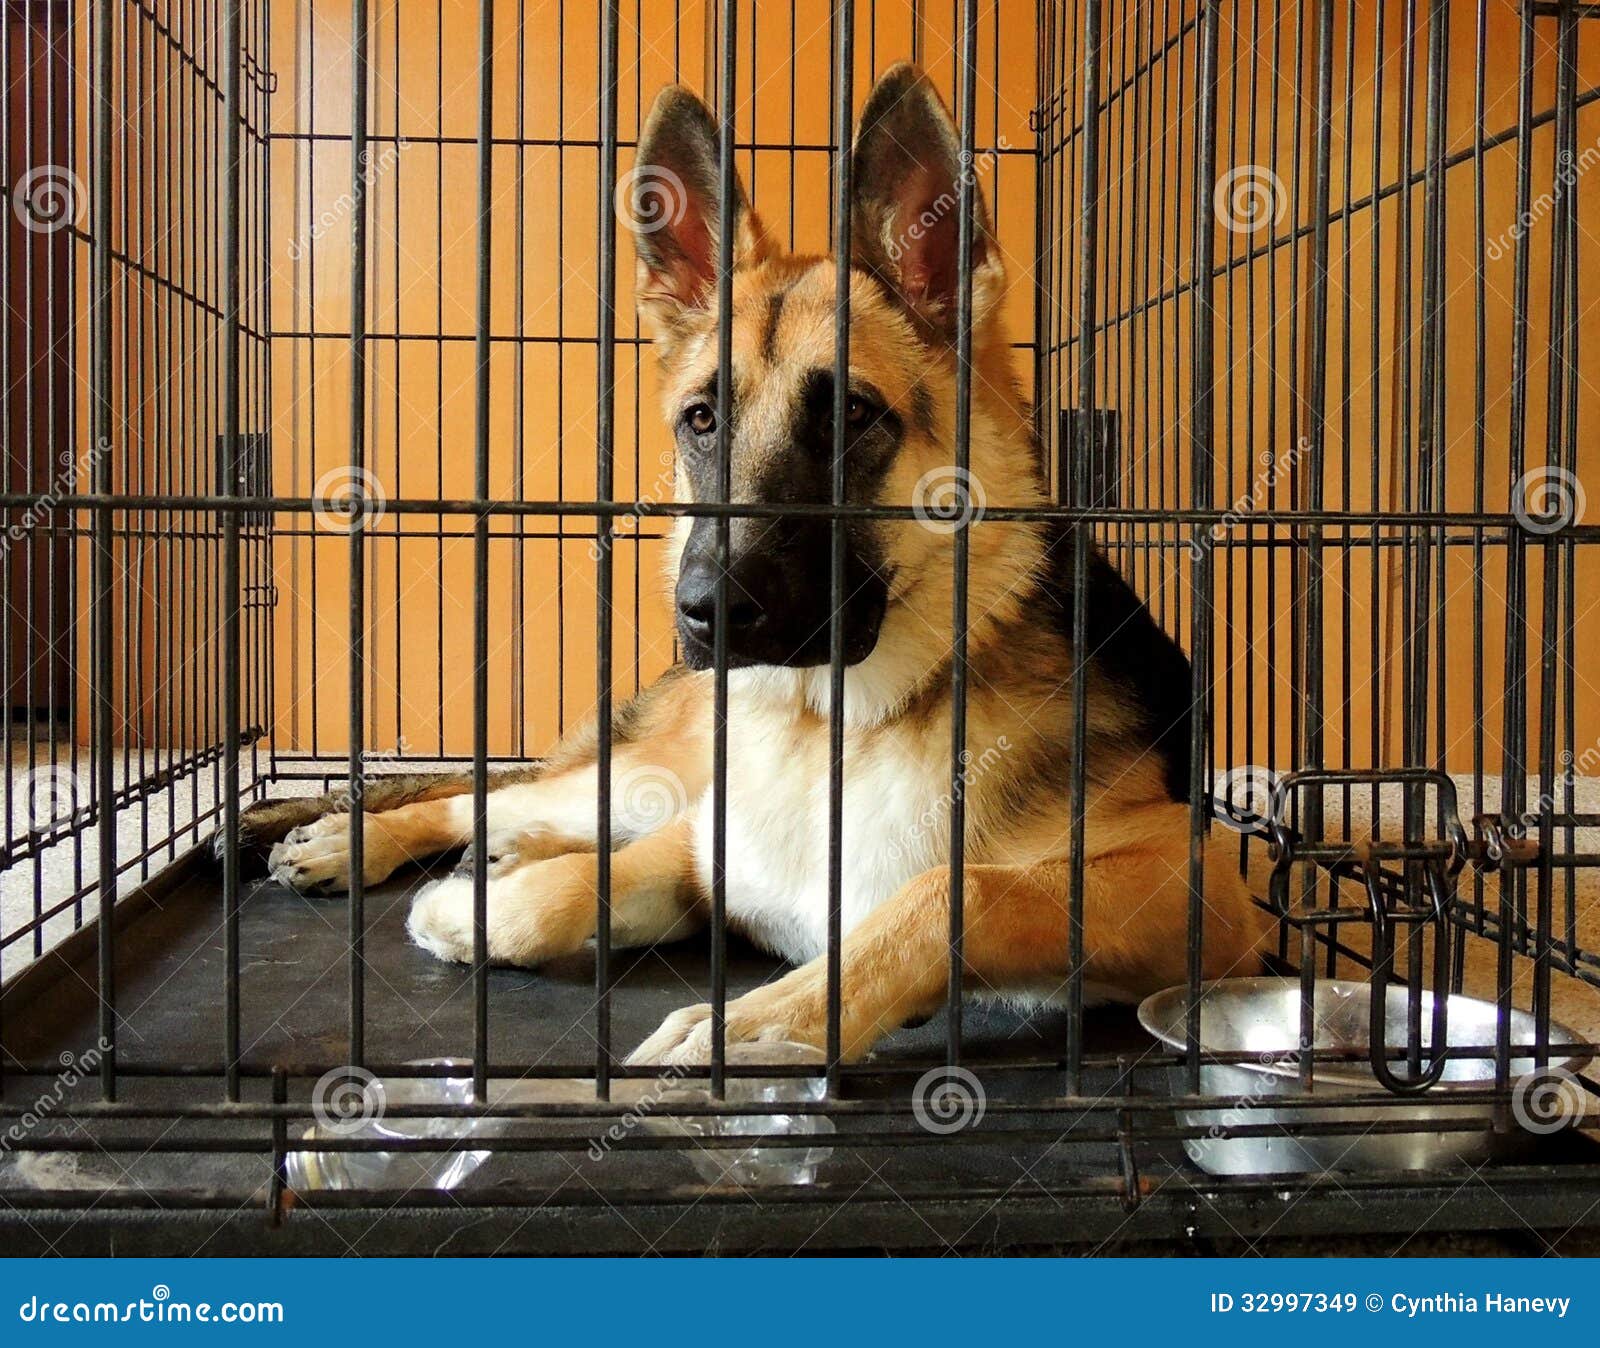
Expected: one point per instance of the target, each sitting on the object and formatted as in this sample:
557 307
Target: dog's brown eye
857 412
702 420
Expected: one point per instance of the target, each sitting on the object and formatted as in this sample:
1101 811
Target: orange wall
541 594
422 212
1265 354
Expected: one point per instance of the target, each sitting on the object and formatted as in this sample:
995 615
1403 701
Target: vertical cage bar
358 572
1514 724
727 95
1562 376
1568 627
482 355
1201 422
1038 121
1087 272
232 112
844 104
8 174
605 452
1428 612
102 111
1316 393
1309 495
965 200
267 631
1430 454
1480 362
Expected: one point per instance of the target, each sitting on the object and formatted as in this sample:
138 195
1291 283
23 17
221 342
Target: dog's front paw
537 911
508 849
785 1011
440 920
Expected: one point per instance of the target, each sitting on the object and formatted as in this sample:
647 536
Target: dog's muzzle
778 609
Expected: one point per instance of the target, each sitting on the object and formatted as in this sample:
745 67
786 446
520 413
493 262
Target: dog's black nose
748 587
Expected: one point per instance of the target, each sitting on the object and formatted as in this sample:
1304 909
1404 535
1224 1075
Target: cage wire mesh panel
419 198
114 380
1395 314
334 454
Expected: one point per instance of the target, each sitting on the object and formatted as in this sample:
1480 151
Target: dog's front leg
892 970
895 963
539 910
660 763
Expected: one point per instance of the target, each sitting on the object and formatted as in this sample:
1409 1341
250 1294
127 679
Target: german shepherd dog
897 635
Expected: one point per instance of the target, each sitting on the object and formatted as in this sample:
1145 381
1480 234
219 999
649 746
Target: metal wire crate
330 456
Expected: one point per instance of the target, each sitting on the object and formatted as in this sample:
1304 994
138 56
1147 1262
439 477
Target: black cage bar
319 325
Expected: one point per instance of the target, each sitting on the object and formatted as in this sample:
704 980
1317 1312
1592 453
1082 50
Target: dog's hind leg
538 910
270 821
896 960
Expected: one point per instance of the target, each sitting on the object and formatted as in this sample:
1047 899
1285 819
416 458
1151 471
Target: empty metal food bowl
1261 1017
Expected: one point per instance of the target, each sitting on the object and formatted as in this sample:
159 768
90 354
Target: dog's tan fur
542 886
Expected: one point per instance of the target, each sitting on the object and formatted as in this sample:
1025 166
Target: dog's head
900 411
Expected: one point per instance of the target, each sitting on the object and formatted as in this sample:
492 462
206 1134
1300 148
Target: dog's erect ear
674 210
905 219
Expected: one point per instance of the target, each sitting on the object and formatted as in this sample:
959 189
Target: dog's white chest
896 825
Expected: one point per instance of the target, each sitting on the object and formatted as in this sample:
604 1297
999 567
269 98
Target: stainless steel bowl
1261 1016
